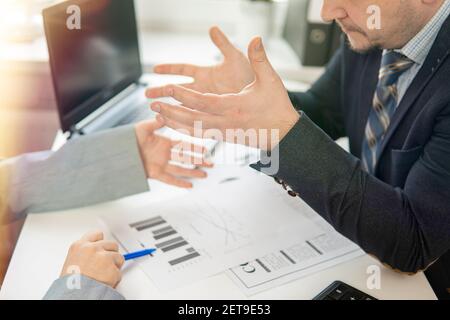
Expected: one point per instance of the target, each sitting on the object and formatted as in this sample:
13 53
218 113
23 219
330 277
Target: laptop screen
93 56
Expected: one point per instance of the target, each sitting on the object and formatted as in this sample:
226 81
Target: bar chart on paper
205 233
157 232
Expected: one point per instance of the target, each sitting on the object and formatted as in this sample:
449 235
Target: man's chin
360 44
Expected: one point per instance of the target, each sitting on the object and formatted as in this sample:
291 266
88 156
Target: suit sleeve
86 171
408 228
322 103
88 289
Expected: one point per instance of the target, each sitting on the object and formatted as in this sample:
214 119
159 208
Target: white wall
188 15
233 16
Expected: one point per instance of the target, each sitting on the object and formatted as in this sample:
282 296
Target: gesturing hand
158 152
230 76
264 104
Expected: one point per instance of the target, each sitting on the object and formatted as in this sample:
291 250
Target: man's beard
372 48
347 29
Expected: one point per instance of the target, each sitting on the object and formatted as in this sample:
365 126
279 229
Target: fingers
149 126
191 86
189 98
190 159
156 92
153 126
185 153
118 259
108 245
171 180
93 236
189 130
185 173
97 239
179 127
184 115
111 249
187 70
184 146
258 59
222 42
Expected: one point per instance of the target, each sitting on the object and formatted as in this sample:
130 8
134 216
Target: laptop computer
96 70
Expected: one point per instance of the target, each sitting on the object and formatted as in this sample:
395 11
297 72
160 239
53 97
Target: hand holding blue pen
138 254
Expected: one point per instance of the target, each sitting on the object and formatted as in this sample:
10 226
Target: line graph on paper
228 231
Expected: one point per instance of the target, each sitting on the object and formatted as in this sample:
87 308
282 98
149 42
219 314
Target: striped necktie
385 101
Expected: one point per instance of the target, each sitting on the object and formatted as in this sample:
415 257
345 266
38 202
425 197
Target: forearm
381 219
93 169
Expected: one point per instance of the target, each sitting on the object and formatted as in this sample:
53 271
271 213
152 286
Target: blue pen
138 254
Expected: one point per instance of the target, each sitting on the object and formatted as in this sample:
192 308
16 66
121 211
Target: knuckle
90 247
170 89
104 258
166 110
121 260
113 245
75 246
98 233
210 98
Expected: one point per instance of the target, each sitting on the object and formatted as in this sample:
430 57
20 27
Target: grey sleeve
88 289
89 170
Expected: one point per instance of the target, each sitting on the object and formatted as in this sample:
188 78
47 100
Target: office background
28 116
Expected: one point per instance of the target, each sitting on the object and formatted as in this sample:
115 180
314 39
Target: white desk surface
45 239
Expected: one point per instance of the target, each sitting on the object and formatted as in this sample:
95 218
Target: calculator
342 291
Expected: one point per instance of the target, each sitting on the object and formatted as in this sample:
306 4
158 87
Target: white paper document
208 232
298 260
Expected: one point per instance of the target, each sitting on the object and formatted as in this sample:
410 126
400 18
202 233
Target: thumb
258 59
221 41
151 126
156 124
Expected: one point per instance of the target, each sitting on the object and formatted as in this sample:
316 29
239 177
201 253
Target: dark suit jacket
401 214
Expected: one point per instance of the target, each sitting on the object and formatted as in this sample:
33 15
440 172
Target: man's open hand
230 76
264 104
